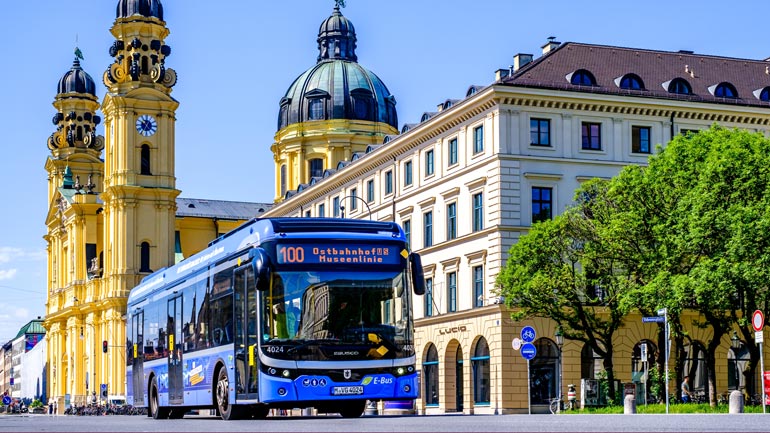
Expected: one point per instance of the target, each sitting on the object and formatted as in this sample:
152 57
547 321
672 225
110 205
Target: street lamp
342 208
559 342
735 342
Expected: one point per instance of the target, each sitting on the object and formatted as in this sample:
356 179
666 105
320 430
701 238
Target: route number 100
291 254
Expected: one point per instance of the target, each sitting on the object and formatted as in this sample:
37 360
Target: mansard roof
657 69
221 209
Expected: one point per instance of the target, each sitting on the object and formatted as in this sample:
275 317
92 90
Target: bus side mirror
262 269
418 277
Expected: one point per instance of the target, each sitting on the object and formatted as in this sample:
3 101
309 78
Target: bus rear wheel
156 412
353 409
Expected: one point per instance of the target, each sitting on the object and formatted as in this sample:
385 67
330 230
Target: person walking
686 393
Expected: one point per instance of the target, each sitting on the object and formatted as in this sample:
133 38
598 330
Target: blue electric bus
279 313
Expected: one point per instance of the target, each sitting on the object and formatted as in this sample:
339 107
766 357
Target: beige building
469 179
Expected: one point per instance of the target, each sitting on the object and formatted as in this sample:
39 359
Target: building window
428 297
478 139
640 139
452 151
144 257
407 225
315 168
388 182
427 220
764 95
321 210
631 82
145 166
429 162
451 287
336 207
592 136
478 212
430 375
541 204
480 368
451 221
478 286
407 173
354 197
283 180
581 77
540 132
370 191
725 90
307 214
679 86
316 109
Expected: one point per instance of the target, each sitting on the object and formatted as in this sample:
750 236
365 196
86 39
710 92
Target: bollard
736 402
629 405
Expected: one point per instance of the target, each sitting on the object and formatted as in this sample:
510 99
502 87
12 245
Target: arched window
582 77
145 163
679 86
695 367
460 395
543 372
480 365
725 90
632 82
737 363
315 167
145 65
764 95
144 258
644 351
591 364
316 109
283 179
430 376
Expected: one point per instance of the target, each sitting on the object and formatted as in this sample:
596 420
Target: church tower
333 110
139 180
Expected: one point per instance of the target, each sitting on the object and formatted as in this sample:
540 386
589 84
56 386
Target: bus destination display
350 254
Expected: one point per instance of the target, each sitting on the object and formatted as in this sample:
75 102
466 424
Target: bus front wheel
156 411
353 409
226 409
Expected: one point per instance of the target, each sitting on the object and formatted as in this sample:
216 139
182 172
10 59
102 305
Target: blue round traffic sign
528 351
528 334
6 400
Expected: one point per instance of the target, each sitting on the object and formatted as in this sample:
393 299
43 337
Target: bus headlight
286 373
400 371
281 391
271 371
410 369
407 388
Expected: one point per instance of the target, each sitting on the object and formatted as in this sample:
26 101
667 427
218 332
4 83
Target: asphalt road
432 423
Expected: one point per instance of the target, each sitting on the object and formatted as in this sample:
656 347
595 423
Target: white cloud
21 313
7 274
8 253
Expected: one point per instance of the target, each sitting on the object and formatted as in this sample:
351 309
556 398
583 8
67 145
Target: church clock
146 125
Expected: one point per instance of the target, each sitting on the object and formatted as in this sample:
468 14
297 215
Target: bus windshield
324 315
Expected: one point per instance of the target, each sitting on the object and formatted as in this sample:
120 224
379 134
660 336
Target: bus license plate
347 390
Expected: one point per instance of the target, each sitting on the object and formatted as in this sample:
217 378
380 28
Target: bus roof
259 230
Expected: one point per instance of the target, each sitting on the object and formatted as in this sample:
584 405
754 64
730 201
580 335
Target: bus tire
227 410
353 409
156 412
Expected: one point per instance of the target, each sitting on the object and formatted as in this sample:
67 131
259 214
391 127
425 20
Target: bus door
245 311
137 354
175 341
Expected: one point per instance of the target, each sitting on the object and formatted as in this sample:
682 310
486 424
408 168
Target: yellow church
115 214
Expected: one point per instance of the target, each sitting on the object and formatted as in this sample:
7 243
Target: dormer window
316 104
763 94
725 90
680 86
582 77
362 103
631 82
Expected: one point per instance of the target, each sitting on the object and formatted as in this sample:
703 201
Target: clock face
146 125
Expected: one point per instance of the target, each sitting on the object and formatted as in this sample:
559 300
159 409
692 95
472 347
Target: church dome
76 80
337 87
145 8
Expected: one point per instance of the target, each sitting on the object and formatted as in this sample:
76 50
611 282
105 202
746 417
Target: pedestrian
686 393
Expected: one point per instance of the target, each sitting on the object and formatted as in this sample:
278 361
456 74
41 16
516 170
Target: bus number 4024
292 254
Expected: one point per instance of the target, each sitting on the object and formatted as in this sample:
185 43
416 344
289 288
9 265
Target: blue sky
236 58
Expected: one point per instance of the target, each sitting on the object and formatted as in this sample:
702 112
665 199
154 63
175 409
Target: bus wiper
311 342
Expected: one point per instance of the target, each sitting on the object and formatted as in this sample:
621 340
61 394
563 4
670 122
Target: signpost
653 319
664 312
758 322
528 351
